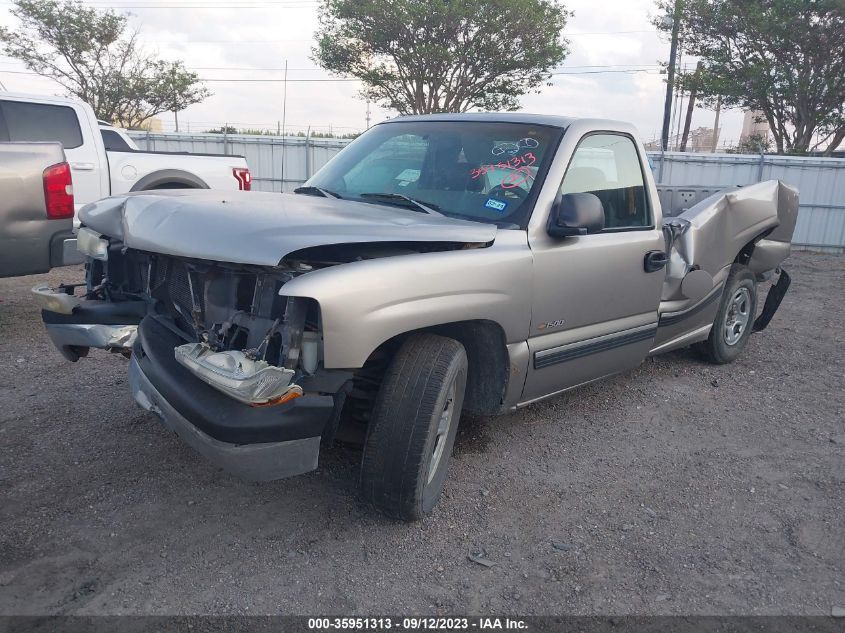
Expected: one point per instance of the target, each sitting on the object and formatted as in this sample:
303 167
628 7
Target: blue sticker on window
496 205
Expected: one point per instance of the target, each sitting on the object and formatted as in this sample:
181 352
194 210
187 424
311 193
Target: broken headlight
92 244
248 380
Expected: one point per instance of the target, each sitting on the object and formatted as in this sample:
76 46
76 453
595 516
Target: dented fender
365 303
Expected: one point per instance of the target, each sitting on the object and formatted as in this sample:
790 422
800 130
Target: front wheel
413 426
735 318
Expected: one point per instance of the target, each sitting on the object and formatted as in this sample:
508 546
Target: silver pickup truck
438 264
36 208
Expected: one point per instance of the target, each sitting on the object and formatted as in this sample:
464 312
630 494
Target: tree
420 56
785 58
753 144
93 56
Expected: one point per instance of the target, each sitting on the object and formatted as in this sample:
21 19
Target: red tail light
58 191
243 177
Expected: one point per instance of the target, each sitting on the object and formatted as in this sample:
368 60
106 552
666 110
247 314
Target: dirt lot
679 488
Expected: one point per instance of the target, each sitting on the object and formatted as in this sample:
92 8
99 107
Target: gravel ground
680 488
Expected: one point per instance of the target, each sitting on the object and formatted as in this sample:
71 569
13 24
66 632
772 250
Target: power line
293 4
347 79
318 69
609 32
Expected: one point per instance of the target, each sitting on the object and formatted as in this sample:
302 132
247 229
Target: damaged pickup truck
438 264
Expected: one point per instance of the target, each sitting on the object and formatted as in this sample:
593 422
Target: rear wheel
735 318
413 426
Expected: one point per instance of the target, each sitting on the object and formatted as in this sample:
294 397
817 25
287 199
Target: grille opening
273 353
245 292
239 339
159 273
179 287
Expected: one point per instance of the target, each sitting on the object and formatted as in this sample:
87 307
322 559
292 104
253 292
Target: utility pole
690 107
674 120
368 114
716 124
670 74
284 113
285 97
679 98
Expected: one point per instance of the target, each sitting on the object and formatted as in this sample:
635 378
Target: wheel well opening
487 375
172 185
745 253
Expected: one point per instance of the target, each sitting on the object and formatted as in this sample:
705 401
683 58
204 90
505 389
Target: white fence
277 163
281 164
820 181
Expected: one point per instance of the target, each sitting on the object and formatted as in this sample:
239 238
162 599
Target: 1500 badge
551 324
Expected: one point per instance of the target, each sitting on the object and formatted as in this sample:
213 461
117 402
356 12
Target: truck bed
30 242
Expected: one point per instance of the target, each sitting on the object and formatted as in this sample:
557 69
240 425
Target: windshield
474 170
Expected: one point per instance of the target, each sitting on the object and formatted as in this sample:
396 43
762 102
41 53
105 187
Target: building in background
150 125
754 126
701 140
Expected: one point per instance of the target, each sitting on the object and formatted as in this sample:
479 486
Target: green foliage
228 129
785 58
421 56
753 144
93 56
223 129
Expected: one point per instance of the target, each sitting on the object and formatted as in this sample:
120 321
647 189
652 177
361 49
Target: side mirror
576 214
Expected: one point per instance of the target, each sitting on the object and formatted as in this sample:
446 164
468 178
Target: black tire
740 286
402 434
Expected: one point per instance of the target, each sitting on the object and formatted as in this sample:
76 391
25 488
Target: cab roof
550 120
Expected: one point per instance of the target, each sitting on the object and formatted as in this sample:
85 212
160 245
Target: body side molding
579 349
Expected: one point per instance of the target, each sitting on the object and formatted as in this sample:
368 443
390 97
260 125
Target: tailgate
30 242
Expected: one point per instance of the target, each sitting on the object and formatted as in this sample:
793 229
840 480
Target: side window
608 166
40 122
114 142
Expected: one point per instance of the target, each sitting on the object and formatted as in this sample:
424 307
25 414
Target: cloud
613 35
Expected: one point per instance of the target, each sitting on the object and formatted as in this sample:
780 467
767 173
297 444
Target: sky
612 70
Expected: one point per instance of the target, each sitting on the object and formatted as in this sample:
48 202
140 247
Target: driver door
595 305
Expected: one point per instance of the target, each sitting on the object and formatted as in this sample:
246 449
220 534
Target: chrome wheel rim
444 424
737 316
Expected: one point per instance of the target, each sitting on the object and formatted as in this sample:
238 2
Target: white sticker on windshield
496 205
409 175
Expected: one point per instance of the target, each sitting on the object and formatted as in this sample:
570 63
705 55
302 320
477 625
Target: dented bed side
751 225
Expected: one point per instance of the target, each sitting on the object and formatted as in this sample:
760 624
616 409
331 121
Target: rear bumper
773 300
255 443
64 252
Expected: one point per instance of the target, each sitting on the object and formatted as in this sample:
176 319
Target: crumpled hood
262 228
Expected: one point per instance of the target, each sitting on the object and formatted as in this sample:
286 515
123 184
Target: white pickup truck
103 160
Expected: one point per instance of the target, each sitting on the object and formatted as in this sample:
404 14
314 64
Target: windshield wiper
404 201
311 191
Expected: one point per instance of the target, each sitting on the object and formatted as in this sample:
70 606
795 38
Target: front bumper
67 253
254 443
71 339
252 462
75 325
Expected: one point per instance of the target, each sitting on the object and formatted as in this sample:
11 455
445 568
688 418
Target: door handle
83 166
655 260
